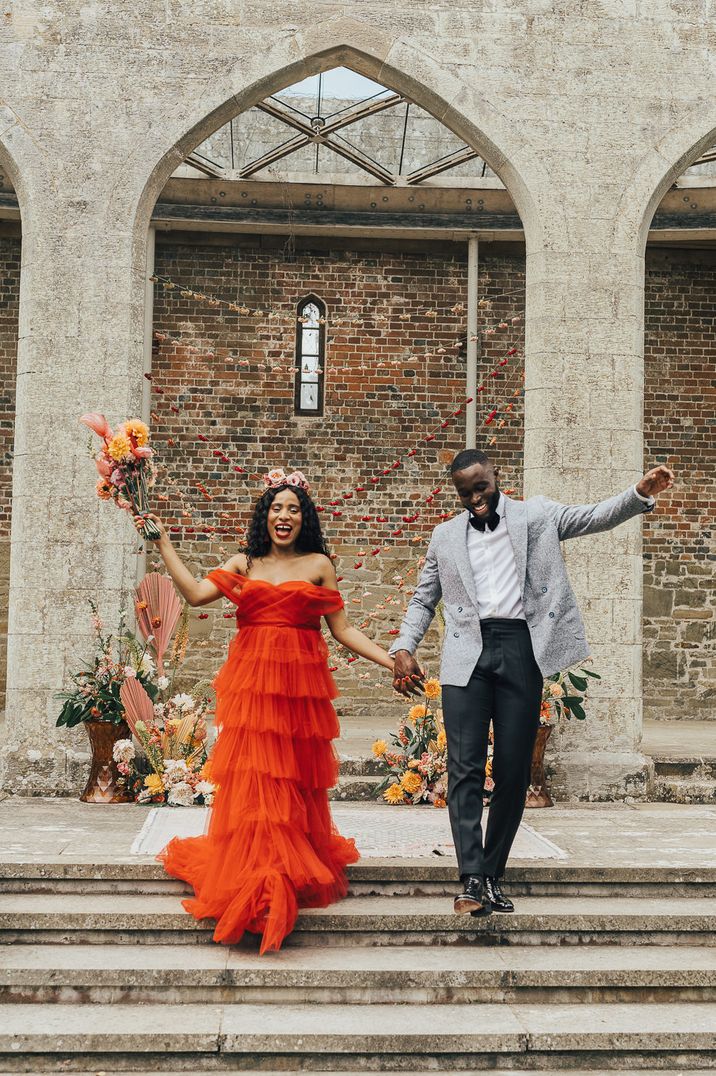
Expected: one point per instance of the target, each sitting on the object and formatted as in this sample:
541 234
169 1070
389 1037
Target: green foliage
575 686
96 685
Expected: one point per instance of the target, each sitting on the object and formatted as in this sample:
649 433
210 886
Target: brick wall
680 350
392 371
9 300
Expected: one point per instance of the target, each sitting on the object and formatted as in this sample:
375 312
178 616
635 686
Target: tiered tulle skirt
271 847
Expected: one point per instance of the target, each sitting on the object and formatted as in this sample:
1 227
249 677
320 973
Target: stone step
358 766
365 1038
355 787
702 766
436 877
74 1071
355 1072
375 920
683 790
121 974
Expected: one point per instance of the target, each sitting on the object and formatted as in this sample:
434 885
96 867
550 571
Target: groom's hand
655 481
408 677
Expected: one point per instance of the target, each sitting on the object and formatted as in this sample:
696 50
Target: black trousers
505 688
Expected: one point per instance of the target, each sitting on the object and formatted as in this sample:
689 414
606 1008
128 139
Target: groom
511 619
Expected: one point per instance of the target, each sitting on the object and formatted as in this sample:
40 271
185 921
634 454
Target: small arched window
310 356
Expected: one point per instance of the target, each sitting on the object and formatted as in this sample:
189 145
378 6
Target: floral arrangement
564 693
124 464
416 763
172 767
416 766
117 659
133 681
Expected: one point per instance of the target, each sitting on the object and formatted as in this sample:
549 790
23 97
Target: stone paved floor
624 834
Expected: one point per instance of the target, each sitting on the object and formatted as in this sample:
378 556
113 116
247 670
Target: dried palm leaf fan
137 705
158 609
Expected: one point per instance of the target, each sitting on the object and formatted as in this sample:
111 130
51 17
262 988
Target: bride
271 847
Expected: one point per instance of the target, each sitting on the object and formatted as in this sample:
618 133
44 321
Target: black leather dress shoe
497 898
473 898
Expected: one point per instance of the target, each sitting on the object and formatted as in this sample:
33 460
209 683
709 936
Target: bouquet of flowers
565 693
416 766
97 692
125 467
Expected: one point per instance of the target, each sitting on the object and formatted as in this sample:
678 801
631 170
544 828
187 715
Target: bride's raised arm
194 591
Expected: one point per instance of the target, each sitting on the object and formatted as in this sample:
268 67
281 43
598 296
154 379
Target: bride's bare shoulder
238 564
324 569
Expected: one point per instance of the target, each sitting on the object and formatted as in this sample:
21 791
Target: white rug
381 832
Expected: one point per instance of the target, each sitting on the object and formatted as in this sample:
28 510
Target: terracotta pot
102 785
537 794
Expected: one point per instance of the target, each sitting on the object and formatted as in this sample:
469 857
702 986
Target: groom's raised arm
421 607
574 520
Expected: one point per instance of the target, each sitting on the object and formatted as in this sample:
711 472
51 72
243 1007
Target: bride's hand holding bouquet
125 468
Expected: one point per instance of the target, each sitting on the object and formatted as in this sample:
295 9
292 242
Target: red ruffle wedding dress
271 846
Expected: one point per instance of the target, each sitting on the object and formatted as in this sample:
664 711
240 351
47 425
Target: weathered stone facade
587 113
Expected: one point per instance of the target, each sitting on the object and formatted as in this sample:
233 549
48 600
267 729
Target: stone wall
679 399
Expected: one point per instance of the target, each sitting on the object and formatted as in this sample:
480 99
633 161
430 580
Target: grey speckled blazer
536 527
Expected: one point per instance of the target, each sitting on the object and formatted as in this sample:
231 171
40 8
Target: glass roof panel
338 126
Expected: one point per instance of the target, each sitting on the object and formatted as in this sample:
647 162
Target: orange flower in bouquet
124 464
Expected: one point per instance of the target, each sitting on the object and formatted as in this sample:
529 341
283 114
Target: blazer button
551 616
544 590
456 634
459 608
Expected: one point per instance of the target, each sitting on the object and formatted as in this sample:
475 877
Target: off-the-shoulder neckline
286 582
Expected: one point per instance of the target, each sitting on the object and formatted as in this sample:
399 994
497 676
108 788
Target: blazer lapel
516 522
459 544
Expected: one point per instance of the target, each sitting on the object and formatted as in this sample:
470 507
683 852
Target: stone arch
390 62
16 153
675 284
675 151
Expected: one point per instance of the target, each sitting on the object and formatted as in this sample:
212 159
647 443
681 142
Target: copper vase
537 794
103 783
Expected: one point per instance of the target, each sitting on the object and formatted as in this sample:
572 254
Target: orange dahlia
120 447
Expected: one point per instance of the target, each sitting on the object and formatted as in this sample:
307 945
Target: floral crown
278 477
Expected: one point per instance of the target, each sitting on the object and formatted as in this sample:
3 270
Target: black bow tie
491 521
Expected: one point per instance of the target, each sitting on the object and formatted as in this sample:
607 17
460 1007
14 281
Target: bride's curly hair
310 538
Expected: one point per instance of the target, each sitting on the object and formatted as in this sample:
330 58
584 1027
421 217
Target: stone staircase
599 969
684 780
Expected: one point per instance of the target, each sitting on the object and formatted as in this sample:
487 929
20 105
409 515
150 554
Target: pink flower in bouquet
117 477
103 465
98 424
142 452
122 502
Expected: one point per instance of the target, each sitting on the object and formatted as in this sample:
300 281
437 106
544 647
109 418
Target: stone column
583 442
79 350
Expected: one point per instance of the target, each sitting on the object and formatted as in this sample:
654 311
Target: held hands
408 677
655 481
139 523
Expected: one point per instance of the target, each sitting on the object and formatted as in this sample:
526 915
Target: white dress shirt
492 559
